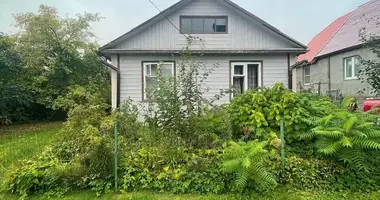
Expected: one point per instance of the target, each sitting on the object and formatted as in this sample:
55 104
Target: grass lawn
19 142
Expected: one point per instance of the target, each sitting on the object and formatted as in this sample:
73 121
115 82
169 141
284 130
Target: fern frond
329 134
371 133
367 143
231 166
331 148
308 135
242 177
346 142
246 162
355 157
349 123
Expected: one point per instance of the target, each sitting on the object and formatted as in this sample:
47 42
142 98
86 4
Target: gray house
249 51
331 65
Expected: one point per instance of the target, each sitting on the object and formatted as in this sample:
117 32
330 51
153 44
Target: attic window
203 24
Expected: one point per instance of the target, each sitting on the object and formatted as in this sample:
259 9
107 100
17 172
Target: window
244 76
306 75
351 67
150 72
203 24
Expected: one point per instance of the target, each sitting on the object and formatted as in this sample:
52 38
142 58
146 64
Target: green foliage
14 98
177 170
247 162
58 53
310 174
179 104
346 136
257 113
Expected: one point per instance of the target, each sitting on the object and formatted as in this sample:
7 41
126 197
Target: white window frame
352 58
245 72
145 64
304 75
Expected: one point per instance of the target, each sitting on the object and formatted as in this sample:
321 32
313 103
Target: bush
257 113
310 174
177 170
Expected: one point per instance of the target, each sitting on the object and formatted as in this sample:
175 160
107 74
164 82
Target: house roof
320 40
182 3
365 16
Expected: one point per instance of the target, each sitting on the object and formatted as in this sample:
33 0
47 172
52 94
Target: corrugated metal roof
320 40
365 16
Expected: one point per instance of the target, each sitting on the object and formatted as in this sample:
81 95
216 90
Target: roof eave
219 52
358 46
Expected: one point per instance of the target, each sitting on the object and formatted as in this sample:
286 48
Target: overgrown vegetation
42 62
179 141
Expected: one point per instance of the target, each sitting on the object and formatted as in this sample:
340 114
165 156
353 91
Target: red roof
320 40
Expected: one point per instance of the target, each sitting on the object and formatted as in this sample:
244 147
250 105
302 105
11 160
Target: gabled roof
320 40
365 16
182 3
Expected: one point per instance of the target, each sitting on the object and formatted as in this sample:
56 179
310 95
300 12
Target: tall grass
18 142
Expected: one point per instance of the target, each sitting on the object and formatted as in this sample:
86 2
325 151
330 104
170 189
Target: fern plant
346 136
247 161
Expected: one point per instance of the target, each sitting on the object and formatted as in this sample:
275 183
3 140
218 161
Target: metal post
116 145
282 143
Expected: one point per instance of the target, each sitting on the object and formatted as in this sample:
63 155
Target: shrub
247 161
177 170
346 136
257 113
310 174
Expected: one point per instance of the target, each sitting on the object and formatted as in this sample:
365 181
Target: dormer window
203 24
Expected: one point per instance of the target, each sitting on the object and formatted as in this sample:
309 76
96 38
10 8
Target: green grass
278 195
18 142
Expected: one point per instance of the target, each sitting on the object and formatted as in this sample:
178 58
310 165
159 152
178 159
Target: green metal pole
282 144
116 145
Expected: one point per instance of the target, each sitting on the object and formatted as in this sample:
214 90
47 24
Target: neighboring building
332 62
249 51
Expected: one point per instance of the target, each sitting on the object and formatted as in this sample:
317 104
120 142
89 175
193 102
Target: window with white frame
150 74
306 75
244 76
351 67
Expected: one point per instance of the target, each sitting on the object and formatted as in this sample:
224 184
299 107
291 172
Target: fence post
115 152
282 137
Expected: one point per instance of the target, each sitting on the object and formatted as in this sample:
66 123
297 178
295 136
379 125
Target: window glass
203 25
238 86
306 73
357 65
197 25
209 25
252 76
238 69
221 25
186 25
150 73
348 67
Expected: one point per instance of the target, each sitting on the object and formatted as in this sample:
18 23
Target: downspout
118 82
290 74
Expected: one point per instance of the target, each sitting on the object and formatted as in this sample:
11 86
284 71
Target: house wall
274 69
243 32
319 73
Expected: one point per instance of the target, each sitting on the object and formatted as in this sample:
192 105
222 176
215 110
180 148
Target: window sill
306 84
350 79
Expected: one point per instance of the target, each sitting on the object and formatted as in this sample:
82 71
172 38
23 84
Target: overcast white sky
300 19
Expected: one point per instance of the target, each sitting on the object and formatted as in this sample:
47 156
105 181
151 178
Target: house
331 65
249 51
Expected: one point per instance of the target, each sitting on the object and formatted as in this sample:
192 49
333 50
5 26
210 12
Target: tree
58 53
370 71
14 97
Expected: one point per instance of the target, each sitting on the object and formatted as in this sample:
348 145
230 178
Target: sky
300 19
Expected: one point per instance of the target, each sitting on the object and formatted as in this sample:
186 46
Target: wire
168 19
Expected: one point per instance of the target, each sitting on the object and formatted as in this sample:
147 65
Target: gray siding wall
275 69
243 32
319 73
